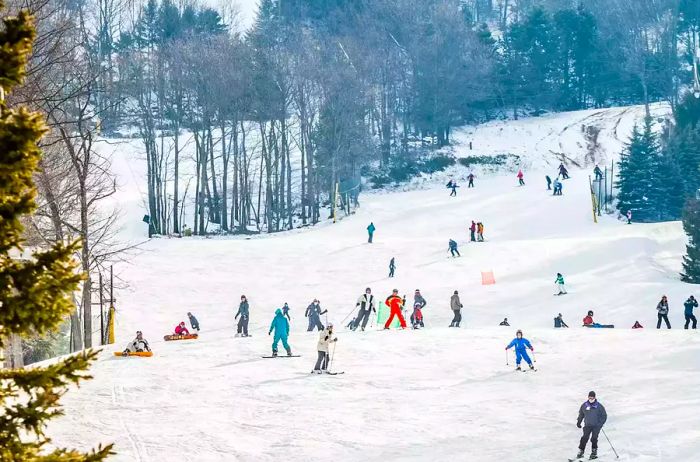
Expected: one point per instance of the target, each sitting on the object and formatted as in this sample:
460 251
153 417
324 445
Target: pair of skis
299 356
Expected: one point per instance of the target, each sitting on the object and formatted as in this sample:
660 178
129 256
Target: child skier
395 304
521 181
325 338
418 305
139 344
180 329
480 232
559 281
243 312
193 322
370 232
559 322
280 325
521 345
453 248
593 416
285 311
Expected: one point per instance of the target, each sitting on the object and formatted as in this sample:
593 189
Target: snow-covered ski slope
433 394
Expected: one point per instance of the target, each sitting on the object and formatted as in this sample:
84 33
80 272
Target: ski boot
274 353
594 454
289 352
518 368
580 454
532 367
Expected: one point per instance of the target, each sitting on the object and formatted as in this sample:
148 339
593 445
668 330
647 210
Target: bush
436 164
497 160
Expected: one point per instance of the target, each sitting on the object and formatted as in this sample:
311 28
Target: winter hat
456 292
591 394
518 332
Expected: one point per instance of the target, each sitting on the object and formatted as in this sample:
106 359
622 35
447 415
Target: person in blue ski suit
280 325
521 345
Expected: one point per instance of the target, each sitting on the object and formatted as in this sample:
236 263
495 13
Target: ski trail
118 401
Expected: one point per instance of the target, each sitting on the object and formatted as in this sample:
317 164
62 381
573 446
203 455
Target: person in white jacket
139 344
324 340
367 305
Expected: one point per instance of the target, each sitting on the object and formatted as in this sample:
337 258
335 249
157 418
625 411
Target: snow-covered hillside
432 394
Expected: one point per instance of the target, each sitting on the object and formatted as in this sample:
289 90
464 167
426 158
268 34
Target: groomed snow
434 394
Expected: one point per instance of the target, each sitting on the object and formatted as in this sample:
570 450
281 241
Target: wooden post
102 313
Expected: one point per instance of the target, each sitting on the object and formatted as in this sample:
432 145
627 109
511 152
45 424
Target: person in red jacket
180 329
395 303
588 320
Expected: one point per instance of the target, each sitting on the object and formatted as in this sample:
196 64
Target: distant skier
180 329
521 346
480 232
472 231
325 338
629 217
367 305
471 180
313 312
285 311
370 231
662 309
193 322
558 186
563 172
138 345
456 306
593 416
453 248
549 182
395 304
418 305
598 173
244 313
280 325
559 281
452 184
689 316
392 267
559 322
504 322
521 181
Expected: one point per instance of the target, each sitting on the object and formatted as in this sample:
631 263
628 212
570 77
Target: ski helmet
590 312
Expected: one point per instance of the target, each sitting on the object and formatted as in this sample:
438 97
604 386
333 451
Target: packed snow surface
432 394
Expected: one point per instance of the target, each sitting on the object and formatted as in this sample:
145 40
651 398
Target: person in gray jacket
367 305
313 312
593 416
662 308
244 313
456 307
418 304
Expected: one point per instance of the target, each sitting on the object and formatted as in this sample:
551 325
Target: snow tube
145 354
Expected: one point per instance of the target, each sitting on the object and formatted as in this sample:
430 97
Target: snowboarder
593 416
480 232
244 313
456 306
453 248
563 172
139 344
521 346
370 231
280 325
689 316
662 309
367 305
324 339
313 312
471 180
193 322
504 322
392 267
559 322
560 284
629 217
180 329
472 231
549 182
558 186
418 305
598 173
521 181
588 322
285 311
452 184
395 304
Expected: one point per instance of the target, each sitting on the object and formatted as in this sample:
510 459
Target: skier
367 305
520 178
392 267
244 313
559 322
598 173
504 322
351 324
558 186
193 322
180 329
689 316
662 308
629 217
139 344
285 311
418 305
395 303
471 180
560 284
324 339
313 312
480 232
549 182
521 345
472 231
563 172
452 184
456 306
453 248
370 231
593 416
280 325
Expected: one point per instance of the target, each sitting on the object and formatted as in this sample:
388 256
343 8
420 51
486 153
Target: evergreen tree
35 295
691 225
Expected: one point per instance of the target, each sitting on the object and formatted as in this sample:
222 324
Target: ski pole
611 446
507 358
330 365
534 359
342 323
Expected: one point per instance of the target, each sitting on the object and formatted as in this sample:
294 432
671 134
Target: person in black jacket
593 416
313 312
244 313
559 322
366 305
689 316
193 322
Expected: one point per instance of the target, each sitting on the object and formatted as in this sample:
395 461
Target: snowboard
168 338
144 354
282 356
602 326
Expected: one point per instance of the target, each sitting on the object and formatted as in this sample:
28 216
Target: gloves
269 333
506 348
578 424
335 339
532 349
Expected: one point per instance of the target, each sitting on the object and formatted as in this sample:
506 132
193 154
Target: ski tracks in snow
119 401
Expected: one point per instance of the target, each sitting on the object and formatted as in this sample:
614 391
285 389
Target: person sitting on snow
180 329
504 322
521 345
139 344
559 322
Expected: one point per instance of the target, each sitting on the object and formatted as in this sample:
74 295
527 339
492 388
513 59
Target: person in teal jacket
280 325
521 345
560 284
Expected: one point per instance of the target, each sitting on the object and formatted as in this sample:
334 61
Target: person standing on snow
244 313
193 321
313 312
367 305
370 231
521 181
453 248
558 186
471 180
560 284
549 182
285 311
662 308
281 327
629 217
598 173
418 305
392 267
480 232
325 338
689 316
563 172
452 184
472 231
593 416
395 304
456 307
521 345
